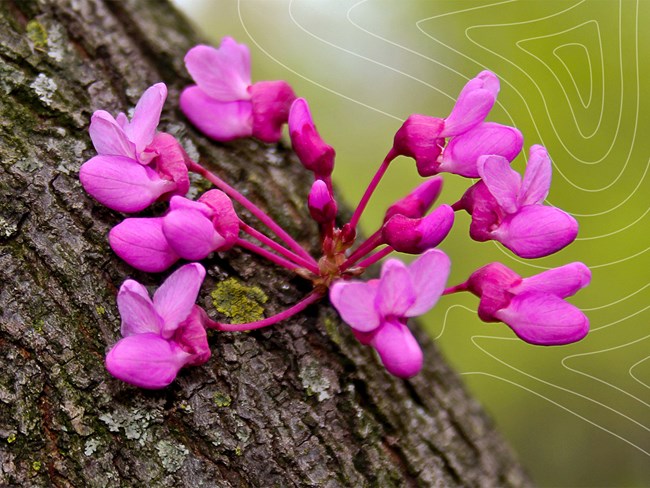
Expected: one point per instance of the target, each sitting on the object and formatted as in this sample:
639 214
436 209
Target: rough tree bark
301 404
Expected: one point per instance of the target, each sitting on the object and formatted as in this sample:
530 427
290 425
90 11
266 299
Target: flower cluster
136 166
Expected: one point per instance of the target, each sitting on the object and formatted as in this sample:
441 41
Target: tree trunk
299 404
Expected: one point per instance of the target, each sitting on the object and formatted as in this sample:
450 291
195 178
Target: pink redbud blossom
415 236
313 152
321 203
506 209
418 202
462 152
423 138
378 310
533 307
162 335
224 104
135 166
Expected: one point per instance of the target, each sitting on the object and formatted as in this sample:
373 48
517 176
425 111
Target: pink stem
373 258
277 247
267 254
298 307
458 206
456 289
366 246
251 207
371 188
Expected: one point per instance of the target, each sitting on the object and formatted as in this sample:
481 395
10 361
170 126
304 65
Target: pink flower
533 307
313 152
506 209
378 310
190 230
135 166
224 104
423 138
160 336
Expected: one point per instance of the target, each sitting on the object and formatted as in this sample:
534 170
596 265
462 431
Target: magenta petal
562 282
415 236
146 116
418 202
536 231
544 319
146 360
502 181
313 152
170 161
321 203
537 178
192 338
473 105
462 152
191 234
355 301
108 137
224 219
121 183
419 138
142 244
175 298
429 274
221 121
395 293
224 74
137 311
399 351
271 101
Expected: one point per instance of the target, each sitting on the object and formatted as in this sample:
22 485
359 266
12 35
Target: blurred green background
574 77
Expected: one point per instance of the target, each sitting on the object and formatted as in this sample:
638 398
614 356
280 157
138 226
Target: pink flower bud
271 101
492 284
415 236
462 152
418 202
313 152
322 205
420 138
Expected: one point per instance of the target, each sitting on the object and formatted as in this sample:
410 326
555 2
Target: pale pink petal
141 243
136 310
121 183
146 360
271 101
395 293
536 231
191 234
146 116
544 319
562 282
429 274
462 152
108 137
473 105
502 181
537 178
399 351
224 74
176 296
355 301
221 121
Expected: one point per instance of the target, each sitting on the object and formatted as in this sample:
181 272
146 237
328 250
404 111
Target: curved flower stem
458 206
291 266
371 188
373 258
314 296
366 247
456 289
251 207
300 261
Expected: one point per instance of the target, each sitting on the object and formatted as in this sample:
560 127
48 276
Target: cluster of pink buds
137 166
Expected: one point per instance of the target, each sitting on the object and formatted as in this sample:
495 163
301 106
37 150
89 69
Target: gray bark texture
299 404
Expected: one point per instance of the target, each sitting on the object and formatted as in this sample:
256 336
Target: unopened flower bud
313 152
322 205
418 202
415 236
419 138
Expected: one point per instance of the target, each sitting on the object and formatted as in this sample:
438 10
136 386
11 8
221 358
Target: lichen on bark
301 404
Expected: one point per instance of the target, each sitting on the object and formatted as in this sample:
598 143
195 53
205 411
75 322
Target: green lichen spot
100 310
238 451
332 328
37 34
11 439
221 400
238 302
37 465
38 326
